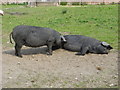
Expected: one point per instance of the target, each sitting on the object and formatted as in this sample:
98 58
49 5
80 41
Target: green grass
97 21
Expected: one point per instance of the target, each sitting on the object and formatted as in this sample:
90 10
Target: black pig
34 36
83 45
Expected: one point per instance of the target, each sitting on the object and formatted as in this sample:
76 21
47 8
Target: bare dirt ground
61 70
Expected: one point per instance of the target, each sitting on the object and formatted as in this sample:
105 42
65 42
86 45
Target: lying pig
83 45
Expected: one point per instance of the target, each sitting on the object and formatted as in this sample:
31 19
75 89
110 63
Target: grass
97 21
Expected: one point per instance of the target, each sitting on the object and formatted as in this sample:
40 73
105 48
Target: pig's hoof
20 56
79 54
49 53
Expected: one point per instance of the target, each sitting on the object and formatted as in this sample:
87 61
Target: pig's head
103 48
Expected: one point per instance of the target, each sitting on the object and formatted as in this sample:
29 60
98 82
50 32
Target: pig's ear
105 44
63 38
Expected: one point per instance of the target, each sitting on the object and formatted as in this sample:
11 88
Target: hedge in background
63 3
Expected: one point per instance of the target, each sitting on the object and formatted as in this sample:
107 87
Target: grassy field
97 21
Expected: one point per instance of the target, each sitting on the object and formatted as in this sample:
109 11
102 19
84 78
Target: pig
34 36
83 44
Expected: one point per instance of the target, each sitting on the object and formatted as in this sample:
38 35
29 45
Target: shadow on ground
28 51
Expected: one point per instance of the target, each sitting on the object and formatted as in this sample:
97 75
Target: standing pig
34 36
83 45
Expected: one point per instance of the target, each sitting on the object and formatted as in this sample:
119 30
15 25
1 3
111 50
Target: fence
58 1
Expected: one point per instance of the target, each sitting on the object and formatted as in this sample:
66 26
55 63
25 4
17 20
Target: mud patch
16 13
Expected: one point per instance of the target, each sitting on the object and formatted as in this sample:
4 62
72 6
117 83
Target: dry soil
63 69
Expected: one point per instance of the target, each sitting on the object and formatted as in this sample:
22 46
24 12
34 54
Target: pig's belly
72 47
